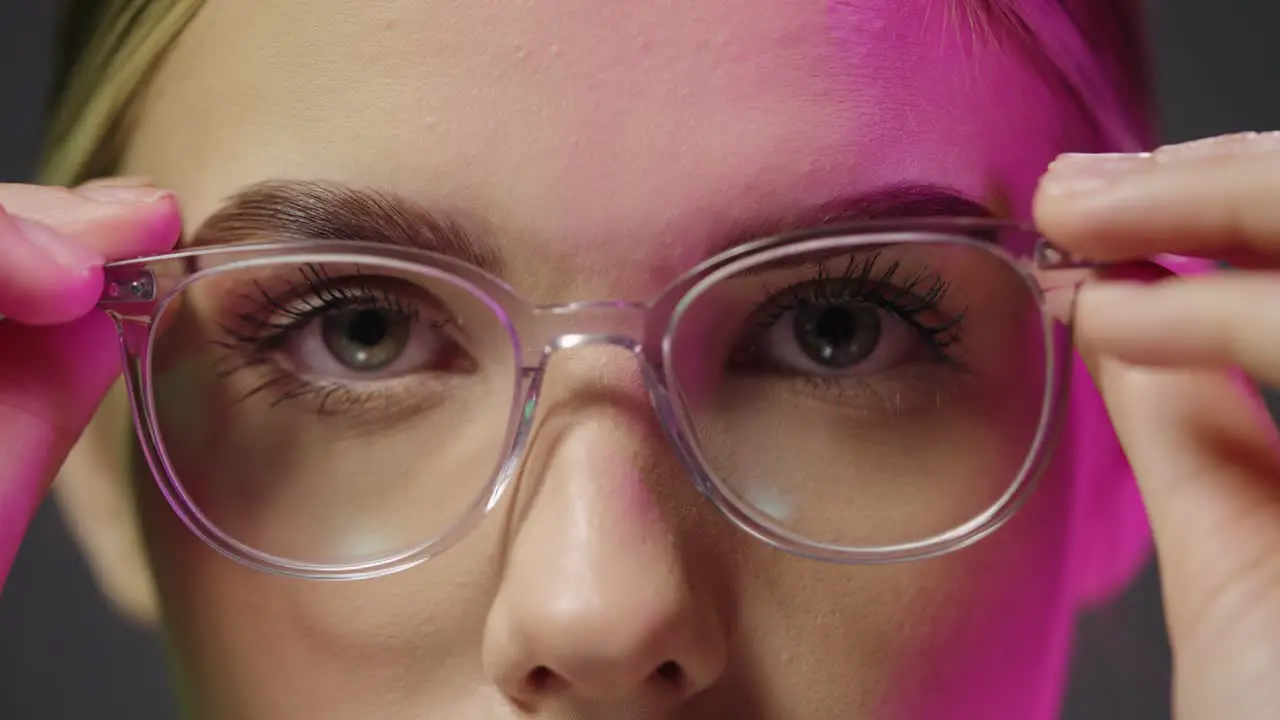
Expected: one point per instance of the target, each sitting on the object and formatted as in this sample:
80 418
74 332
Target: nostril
543 679
670 673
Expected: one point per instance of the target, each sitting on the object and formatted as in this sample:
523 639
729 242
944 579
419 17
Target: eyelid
867 290
261 316
310 287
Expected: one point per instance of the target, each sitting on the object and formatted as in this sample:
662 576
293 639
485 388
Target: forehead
573 118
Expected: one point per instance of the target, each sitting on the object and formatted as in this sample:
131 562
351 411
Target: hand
1173 359
58 355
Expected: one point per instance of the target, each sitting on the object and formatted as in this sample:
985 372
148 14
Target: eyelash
315 295
319 293
862 281
272 322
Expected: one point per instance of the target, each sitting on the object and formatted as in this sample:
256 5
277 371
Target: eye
365 340
369 343
837 338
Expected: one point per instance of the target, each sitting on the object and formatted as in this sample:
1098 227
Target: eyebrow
300 211
895 202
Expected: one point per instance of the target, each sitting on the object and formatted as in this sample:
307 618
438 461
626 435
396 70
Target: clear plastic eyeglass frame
137 292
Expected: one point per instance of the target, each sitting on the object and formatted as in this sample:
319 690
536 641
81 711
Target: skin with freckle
603 146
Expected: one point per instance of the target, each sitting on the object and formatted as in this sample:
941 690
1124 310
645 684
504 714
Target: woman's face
602 149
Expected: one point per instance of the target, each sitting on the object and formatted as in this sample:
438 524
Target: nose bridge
618 323
597 607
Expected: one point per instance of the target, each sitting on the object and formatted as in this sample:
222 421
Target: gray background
64 656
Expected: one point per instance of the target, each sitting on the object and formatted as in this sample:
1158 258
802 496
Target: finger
1213 199
1207 461
1224 320
45 277
118 220
53 242
48 392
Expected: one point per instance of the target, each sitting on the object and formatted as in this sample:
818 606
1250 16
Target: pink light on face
997 115
992 122
604 146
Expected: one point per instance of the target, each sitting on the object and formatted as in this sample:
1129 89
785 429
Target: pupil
836 326
837 336
365 339
367 328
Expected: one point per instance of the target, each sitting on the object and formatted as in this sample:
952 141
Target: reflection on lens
332 414
864 396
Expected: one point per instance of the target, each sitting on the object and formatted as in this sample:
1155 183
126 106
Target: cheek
876 641
808 636
827 636
1001 628
250 644
915 639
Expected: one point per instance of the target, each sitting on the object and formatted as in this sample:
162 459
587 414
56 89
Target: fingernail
1220 146
121 193
1081 172
66 252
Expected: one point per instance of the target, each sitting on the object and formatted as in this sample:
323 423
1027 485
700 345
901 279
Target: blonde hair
111 47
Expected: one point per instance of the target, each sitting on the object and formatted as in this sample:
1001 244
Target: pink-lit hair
1096 47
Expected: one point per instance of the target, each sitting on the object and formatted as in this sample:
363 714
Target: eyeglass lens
334 413
867 396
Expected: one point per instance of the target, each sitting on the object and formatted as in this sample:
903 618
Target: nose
596 606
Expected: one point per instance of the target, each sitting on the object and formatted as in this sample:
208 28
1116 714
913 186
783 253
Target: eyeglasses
343 409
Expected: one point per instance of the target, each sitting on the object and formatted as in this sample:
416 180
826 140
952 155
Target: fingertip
53 303
168 226
118 220
1076 207
1092 311
159 231
134 220
45 278
1053 217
